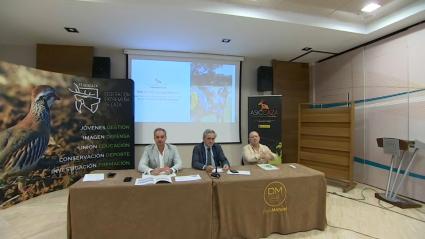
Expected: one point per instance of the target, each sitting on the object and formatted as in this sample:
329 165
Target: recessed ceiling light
226 40
71 29
371 7
307 49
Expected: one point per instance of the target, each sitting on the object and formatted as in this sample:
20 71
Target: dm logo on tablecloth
275 197
275 194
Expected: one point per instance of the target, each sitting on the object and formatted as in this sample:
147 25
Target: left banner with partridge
54 128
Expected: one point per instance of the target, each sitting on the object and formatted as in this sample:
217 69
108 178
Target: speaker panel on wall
265 78
101 67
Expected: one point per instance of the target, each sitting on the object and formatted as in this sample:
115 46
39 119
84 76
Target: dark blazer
199 158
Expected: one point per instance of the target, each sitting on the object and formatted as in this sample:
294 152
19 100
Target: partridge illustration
22 145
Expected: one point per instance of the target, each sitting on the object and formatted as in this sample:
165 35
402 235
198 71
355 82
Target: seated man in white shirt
161 157
254 152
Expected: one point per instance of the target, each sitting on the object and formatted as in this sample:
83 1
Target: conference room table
287 200
115 209
290 199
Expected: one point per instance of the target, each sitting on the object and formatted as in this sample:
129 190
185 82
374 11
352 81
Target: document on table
267 166
187 178
93 177
153 176
153 179
240 172
143 181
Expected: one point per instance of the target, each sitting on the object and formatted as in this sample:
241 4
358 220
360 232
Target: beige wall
387 80
21 55
26 55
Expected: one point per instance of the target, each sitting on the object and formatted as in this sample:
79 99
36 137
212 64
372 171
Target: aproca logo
87 97
264 110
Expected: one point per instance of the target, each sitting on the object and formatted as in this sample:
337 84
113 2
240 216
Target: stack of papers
187 178
267 166
93 177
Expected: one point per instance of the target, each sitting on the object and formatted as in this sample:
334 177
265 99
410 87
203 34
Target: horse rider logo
263 105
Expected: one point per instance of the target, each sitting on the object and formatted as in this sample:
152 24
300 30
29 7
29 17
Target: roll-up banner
264 116
54 128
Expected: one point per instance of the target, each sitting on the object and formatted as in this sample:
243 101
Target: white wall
26 55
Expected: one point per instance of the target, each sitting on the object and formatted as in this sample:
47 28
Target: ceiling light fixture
226 40
71 29
371 7
307 48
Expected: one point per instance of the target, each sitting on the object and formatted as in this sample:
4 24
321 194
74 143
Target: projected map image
212 92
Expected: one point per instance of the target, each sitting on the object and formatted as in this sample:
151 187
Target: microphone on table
215 174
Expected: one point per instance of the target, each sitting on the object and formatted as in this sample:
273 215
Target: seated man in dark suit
206 154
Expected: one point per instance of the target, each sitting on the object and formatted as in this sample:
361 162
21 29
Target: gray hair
208 131
159 129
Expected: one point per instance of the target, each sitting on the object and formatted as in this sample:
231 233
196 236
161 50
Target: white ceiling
270 29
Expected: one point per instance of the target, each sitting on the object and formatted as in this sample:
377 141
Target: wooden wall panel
326 131
291 80
326 142
73 60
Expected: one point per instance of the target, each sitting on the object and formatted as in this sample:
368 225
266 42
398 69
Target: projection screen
185 93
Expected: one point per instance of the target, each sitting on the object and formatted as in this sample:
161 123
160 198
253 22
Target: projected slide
185 96
164 93
183 91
